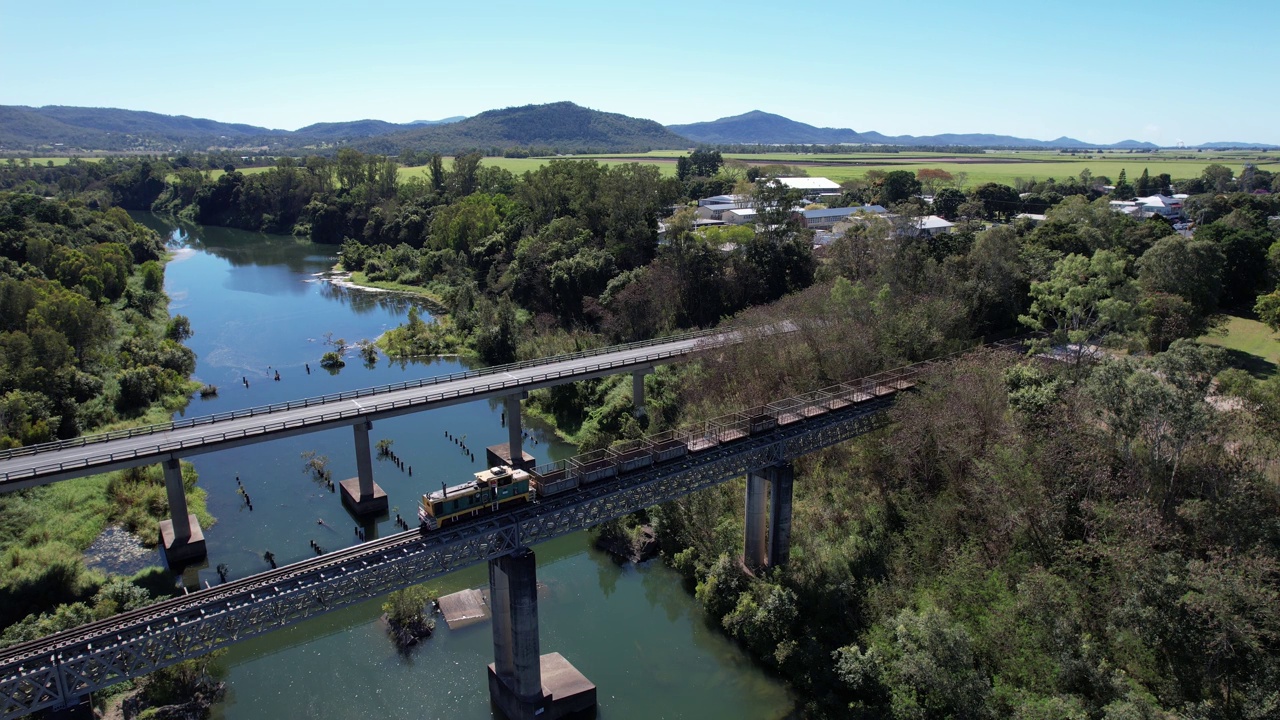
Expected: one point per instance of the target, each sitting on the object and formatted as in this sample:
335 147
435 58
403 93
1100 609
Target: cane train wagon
503 486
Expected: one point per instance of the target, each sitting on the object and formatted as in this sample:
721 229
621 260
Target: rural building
927 226
810 187
1035 218
1145 207
1161 205
734 200
739 216
714 212
931 225
827 218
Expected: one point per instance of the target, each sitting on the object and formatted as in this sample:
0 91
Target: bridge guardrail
341 414
879 382
353 394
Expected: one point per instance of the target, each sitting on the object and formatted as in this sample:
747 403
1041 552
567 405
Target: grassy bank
1250 345
433 298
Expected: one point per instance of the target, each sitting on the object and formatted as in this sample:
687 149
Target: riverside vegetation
86 345
1087 538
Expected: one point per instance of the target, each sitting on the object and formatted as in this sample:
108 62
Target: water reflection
256 309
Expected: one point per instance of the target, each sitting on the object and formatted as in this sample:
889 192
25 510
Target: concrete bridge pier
361 494
780 480
522 683
753 552
512 452
637 390
181 536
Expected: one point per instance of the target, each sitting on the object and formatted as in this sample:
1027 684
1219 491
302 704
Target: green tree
924 664
1244 273
1144 186
1191 269
997 200
1124 190
1082 300
1268 310
179 329
1218 177
947 203
683 168
705 163
461 225
897 186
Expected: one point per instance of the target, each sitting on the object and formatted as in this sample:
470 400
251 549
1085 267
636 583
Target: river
257 306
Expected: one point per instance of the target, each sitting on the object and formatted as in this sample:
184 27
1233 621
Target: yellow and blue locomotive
491 490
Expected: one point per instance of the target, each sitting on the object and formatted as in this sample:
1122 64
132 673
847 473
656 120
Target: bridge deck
49 462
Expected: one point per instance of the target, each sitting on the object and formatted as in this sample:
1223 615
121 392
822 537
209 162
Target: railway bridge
759 443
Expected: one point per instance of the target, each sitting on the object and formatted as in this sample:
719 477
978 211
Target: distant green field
1251 345
1007 173
57 160
519 166
1001 167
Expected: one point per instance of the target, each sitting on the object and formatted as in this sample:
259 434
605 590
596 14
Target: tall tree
1082 300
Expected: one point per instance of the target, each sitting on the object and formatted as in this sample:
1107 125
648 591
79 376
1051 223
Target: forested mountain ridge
22 128
554 127
758 127
564 126
765 128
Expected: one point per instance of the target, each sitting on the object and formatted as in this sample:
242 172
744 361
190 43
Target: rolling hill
554 127
758 127
762 128
562 126
24 127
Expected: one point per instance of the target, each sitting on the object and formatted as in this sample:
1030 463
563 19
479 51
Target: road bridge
167 443
59 460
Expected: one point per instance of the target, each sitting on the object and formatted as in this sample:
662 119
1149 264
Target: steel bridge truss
73 664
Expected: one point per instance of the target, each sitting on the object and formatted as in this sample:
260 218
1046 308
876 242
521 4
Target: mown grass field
58 160
1002 167
1251 345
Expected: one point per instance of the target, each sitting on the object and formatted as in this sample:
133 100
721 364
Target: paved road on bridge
49 462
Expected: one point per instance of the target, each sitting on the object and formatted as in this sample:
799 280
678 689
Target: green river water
258 306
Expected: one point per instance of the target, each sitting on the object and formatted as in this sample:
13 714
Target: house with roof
826 218
931 225
736 200
923 226
1145 207
713 212
810 187
739 216
1162 205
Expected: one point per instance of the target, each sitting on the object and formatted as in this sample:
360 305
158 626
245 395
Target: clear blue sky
1100 71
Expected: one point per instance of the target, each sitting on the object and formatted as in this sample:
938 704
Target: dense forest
1093 536
86 344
